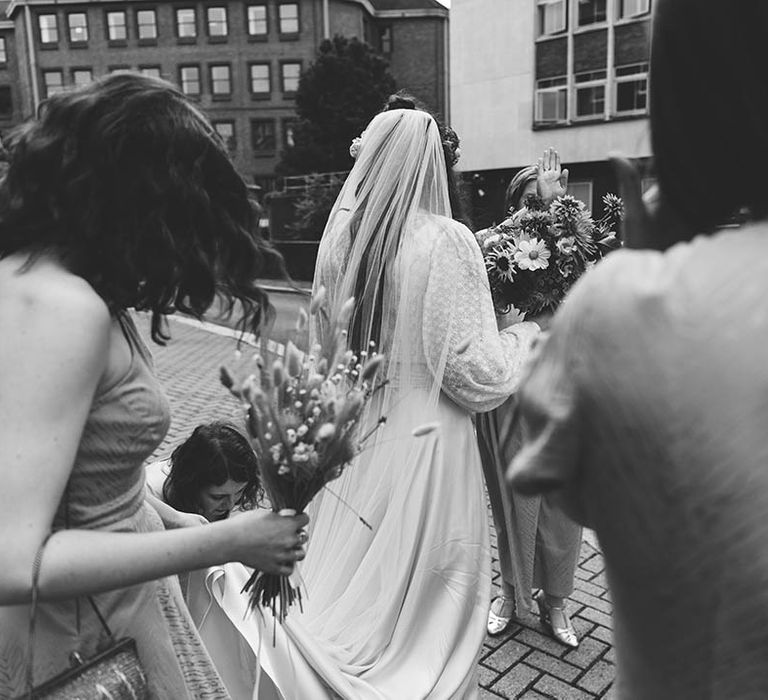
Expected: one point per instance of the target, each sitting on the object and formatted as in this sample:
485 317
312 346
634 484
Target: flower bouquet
303 415
535 256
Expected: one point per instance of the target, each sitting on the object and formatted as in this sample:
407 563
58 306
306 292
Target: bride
398 611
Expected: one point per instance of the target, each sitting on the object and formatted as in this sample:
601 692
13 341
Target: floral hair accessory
354 147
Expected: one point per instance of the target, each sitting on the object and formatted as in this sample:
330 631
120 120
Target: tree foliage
346 85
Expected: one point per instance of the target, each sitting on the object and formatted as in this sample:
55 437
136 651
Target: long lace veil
378 239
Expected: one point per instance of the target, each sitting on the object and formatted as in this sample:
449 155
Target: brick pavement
523 663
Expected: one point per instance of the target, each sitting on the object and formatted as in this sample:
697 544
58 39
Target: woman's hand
551 180
508 319
542 320
267 541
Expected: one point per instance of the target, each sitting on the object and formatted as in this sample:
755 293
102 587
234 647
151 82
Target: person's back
674 475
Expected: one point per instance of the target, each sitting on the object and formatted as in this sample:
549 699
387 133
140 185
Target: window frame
54 42
560 85
283 64
196 66
80 69
215 123
116 41
584 183
214 38
251 35
3 52
589 84
622 16
593 23
634 77
46 86
266 153
74 43
541 17
153 67
260 95
146 40
285 123
212 81
288 34
186 38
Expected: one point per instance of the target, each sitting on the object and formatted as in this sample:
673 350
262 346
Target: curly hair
213 454
128 184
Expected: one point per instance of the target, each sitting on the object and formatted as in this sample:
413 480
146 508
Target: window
289 130
118 69
257 20
226 129
189 79
117 28
288 14
633 8
217 22
49 29
581 191
551 101
263 136
260 82
221 80
591 12
590 94
386 40
78 27
53 81
6 101
186 23
552 16
151 71
3 51
290 73
632 89
82 76
146 25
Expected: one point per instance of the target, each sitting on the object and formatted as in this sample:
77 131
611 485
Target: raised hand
551 180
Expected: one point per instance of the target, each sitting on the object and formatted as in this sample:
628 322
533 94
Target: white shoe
499 623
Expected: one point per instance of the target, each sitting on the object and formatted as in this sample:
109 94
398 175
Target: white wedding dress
397 612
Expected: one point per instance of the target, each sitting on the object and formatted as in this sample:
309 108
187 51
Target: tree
346 85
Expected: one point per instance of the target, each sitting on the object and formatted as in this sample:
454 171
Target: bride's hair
450 141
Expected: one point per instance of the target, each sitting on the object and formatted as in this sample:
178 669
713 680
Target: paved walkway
523 663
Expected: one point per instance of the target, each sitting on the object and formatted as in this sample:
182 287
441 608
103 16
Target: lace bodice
438 325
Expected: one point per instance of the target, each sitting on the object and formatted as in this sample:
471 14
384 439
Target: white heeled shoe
499 623
557 621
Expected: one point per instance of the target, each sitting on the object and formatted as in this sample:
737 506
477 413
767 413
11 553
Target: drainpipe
326 21
32 59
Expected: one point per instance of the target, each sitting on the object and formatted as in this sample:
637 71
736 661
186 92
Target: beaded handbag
112 674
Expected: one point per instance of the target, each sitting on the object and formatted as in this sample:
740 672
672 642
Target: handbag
112 674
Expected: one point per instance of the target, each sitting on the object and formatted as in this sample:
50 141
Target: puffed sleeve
480 366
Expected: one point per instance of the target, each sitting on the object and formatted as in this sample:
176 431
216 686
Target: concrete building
240 59
529 74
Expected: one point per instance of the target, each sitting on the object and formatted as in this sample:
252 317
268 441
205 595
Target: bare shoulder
46 300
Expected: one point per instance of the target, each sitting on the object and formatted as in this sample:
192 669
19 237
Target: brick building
241 59
572 74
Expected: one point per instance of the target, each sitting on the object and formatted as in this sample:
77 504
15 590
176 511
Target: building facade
529 74
241 60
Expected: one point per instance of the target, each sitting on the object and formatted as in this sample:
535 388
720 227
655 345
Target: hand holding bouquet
535 256
303 417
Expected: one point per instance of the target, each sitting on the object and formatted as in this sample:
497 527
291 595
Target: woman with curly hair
211 473
119 195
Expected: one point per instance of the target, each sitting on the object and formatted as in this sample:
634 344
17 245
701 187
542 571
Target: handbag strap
35 596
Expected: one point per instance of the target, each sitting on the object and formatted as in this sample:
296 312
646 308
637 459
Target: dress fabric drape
398 611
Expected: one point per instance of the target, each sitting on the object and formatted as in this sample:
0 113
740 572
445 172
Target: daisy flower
532 255
567 245
500 262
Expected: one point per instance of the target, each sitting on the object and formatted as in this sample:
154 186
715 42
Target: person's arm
480 366
171 517
46 390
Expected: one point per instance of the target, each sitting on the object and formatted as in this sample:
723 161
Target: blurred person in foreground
118 195
646 409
